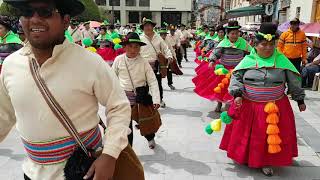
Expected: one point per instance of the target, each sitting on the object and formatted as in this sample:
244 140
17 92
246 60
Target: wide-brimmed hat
132 37
5 21
147 21
74 22
219 28
70 7
163 31
233 25
295 21
212 29
267 31
172 28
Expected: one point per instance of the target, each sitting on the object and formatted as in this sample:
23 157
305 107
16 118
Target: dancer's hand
156 106
238 102
302 107
211 64
102 168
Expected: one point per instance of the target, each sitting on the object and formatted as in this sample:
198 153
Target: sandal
267 171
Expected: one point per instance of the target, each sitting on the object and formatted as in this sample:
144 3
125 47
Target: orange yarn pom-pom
221 85
273 118
225 81
273 129
271 108
217 90
273 149
274 140
228 75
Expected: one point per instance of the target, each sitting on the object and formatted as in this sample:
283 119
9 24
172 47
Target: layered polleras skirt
246 140
206 81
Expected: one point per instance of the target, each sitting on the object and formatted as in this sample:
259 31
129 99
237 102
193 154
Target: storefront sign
256 2
170 5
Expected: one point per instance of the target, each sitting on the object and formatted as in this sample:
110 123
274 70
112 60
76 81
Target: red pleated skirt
245 139
206 81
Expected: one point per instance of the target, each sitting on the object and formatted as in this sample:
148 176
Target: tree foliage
7 10
91 13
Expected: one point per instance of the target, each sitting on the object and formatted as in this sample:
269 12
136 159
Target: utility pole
221 10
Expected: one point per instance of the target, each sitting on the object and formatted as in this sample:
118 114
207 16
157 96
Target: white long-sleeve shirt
149 53
91 33
141 73
76 34
79 80
173 41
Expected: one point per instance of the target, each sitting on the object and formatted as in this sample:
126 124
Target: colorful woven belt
264 94
231 59
57 151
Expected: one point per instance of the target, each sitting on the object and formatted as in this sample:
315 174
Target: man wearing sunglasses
77 79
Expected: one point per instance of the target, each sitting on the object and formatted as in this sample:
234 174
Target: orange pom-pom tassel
273 118
271 108
273 149
225 81
274 140
221 85
228 75
217 90
273 129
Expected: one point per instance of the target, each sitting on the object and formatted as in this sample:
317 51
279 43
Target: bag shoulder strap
152 44
75 30
55 106
125 61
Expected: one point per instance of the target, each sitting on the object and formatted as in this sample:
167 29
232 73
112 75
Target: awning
246 11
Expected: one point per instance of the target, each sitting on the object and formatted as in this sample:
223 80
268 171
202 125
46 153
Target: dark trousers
169 77
297 63
184 46
159 79
179 56
26 177
149 137
308 74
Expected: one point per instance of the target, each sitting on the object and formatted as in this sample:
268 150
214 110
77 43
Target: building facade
304 10
235 4
133 11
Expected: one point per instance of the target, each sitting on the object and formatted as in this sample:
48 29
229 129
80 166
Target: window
133 17
130 2
114 2
116 16
144 3
101 2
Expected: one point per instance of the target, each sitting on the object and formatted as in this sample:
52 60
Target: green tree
92 12
7 10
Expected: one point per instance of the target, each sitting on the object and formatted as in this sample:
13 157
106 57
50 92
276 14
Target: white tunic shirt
76 34
79 80
141 73
91 33
149 53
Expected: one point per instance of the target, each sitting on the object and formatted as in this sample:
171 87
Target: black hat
205 27
147 21
233 25
74 22
70 7
219 28
212 29
5 21
132 37
267 31
111 26
295 21
183 25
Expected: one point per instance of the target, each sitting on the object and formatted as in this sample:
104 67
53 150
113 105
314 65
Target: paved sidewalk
185 152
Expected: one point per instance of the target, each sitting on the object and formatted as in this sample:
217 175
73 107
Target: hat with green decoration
132 37
147 21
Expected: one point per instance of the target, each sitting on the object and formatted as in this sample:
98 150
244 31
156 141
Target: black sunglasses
42 12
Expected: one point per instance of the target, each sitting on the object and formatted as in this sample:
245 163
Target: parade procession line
185 152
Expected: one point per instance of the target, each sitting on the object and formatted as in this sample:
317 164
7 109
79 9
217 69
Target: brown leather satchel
147 117
163 63
175 68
